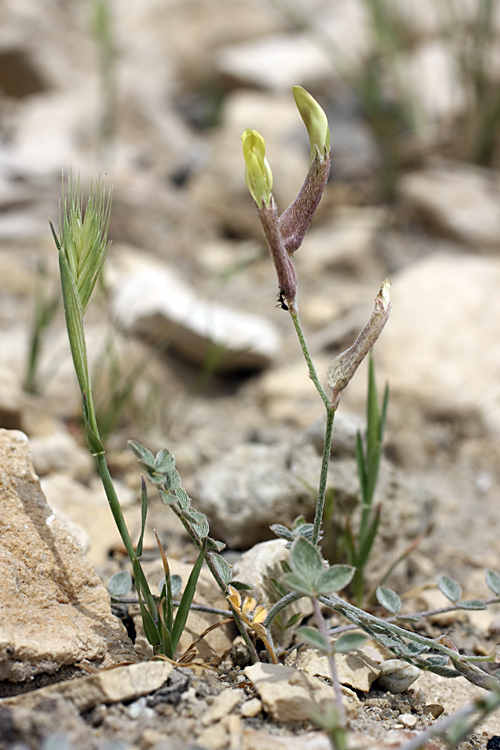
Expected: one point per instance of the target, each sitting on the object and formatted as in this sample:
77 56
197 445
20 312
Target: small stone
288 694
434 709
251 708
408 720
223 704
397 675
355 669
214 737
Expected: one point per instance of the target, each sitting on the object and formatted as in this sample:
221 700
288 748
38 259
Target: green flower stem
310 366
325 465
114 504
331 663
330 415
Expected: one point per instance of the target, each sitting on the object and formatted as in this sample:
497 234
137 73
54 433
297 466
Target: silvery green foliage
300 528
450 588
161 471
309 576
120 583
389 600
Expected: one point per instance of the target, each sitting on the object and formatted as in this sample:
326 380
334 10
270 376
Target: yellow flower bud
314 120
258 175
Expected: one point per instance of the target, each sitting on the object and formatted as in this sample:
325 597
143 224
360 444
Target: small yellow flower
258 175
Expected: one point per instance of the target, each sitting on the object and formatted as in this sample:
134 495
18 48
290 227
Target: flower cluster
284 234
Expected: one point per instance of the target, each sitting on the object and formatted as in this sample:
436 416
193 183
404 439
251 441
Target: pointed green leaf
365 543
144 513
150 628
313 638
450 588
145 457
96 448
164 462
372 412
239 586
279 588
349 642
492 581
437 661
293 620
389 600
172 480
334 578
166 497
223 568
417 648
182 498
214 545
166 640
120 583
187 600
282 532
472 604
306 560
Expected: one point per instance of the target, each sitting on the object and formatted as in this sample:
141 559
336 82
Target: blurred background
154 96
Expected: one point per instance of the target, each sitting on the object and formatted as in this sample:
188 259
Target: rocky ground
189 352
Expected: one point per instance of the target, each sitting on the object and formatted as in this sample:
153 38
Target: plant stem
330 415
331 663
310 366
114 504
325 465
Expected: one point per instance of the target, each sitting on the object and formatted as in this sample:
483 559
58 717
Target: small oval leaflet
450 588
120 583
389 600
492 581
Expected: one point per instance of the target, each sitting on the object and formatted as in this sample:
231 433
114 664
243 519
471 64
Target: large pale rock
125 683
438 350
54 610
460 200
254 486
155 302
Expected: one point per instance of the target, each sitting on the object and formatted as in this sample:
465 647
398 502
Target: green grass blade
372 410
360 460
187 599
383 413
144 513
366 542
